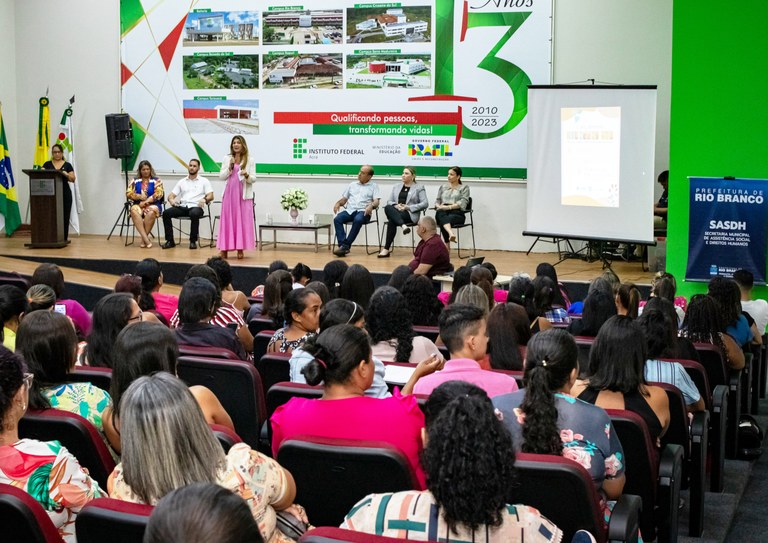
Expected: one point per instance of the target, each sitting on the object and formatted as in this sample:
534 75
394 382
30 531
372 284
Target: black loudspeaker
119 135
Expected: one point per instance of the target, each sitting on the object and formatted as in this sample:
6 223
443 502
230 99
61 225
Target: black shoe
193 245
341 251
168 245
406 230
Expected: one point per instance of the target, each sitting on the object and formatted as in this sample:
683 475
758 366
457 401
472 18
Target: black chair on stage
182 232
469 212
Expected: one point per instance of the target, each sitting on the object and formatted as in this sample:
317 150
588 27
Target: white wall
77 52
8 72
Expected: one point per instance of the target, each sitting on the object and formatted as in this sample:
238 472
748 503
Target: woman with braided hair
545 419
342 362
467 486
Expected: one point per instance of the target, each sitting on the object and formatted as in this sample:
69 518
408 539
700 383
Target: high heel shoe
223 254
240 255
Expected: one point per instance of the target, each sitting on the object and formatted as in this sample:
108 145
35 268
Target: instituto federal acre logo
299 147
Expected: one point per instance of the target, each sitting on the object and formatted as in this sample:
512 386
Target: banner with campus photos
323 87
728 227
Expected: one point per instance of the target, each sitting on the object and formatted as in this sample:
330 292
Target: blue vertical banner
728 227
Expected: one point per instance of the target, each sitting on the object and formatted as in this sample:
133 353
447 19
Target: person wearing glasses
58 163
29 464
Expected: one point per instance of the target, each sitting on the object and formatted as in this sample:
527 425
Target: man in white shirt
360 199
757 309
187 200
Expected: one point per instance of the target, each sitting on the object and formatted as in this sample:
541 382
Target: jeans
358 219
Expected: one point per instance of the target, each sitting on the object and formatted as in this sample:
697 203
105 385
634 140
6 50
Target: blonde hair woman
237 229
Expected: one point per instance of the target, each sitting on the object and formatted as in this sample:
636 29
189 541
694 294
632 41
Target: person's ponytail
541 434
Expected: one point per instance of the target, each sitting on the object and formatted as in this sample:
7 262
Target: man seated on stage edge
360 198
431 256
187 200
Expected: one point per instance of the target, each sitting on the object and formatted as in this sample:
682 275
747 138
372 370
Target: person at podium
146 193
58 163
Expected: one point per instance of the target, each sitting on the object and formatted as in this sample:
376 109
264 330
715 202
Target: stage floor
90 247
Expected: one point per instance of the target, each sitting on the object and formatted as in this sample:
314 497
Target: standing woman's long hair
468 457
550 360
243 152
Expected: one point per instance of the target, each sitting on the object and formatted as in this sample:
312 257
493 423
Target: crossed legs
144 220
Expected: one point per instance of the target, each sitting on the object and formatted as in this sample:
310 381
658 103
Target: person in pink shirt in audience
342 362
463 329
51 275
151 298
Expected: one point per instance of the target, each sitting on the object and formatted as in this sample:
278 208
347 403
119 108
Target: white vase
294 215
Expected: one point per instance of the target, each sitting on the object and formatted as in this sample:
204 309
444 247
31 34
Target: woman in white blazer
237 230
406 202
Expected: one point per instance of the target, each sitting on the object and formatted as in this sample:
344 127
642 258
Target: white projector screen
591 162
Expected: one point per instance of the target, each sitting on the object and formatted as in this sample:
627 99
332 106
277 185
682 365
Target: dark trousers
358 219
194 214
454 217
395 218
67 194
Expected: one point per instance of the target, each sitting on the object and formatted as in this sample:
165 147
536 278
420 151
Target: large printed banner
728 228
325 87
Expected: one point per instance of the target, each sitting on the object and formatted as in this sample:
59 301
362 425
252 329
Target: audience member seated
599 306
735 323
111 314
598 283
151 298
467 486
235 298
202 513
226 316
665 286
616 376
508 333
543 297
461 277
197 306
48 343
660 335
627 300
420 298
388 321
404 206
357 285
51 275
40 298
399 275
702 324
340 311
167 445
277 286
499 295
29 464
545 419
431 256
475 295
258 291
321 290
301 274
683 347
562 298
146 348
521 292
463 330
131 284
342 362
333 274
302 317
483 278
13 306
757 308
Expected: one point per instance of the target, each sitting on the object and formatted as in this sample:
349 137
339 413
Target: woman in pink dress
237 230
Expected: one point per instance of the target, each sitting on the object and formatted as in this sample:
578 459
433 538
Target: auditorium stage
94 262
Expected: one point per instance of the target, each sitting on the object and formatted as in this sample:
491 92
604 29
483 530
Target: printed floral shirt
51 475
83 399
586 432
256 478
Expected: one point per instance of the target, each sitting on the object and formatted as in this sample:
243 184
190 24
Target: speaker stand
125 211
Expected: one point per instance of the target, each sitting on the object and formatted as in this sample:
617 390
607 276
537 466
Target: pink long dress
237 231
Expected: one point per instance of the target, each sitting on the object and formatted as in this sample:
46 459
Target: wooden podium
46 198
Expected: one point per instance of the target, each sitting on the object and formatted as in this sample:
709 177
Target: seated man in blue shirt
359 200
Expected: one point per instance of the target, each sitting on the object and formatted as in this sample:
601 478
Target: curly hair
388 317
727 296
11 379
551 357
420 297
660 333
521 293
469 457
702 323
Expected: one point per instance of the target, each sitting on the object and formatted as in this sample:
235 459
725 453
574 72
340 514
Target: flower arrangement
294 199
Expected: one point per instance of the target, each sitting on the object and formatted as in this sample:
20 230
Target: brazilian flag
9 201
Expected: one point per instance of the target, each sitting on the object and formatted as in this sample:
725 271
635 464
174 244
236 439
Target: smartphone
233 326
60 308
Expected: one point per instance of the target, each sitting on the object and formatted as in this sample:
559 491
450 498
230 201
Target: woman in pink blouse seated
46 470
342 361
